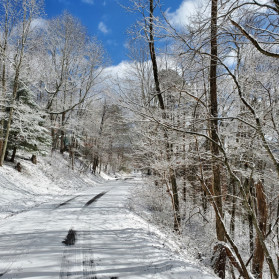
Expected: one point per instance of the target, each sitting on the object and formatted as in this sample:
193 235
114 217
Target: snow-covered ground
36 184
108 240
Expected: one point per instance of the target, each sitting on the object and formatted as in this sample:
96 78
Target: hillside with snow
52 178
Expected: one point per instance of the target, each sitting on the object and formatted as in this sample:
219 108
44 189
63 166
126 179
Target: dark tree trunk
153 56
184 160
204 201
277 232
258 259
53 138
72 156
100 166
62 134
62 145
1 141
162 106
6 155
250 217
232 223
177 218
219 263
184 187
95 164
13 154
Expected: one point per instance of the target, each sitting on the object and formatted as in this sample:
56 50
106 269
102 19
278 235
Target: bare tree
220 253
75 63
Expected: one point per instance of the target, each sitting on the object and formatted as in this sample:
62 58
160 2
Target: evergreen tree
28 131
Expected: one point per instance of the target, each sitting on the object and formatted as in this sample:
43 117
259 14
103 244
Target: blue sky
105 19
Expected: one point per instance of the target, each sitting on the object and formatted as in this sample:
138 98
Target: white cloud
91 2
120 70
187 11
103 28
39 23
125 68
114 75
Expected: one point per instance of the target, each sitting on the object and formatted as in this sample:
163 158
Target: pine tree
28 131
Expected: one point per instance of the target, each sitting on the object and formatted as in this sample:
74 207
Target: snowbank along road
90 235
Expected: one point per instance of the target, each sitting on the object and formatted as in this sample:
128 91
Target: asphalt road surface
90 235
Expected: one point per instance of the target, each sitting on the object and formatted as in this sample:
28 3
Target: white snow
111 241
50 179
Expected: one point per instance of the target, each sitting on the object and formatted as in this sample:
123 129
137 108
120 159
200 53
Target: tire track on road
66 202
95 198
80 256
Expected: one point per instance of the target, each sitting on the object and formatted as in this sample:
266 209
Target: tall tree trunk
177 218
9 122
6 155
184 160
277 233
95 164
153 55
232 222
250 217
72 156
204 201
184 185
219 263
7 136
73 159
3 111
162 106
3 83
62 134
258 259
1 140
100 166
53 137
98 143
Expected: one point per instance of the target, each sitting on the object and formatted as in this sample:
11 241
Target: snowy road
110 242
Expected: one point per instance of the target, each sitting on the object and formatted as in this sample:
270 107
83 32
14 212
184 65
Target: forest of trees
205 102
51 93
196 112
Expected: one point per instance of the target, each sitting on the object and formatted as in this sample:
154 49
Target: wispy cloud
90 2
103 28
